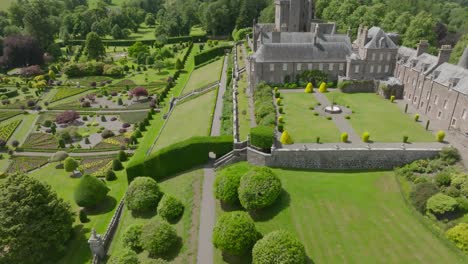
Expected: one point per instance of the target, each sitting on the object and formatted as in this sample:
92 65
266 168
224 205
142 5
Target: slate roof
306 37
448 72
406 52
323 52
379 39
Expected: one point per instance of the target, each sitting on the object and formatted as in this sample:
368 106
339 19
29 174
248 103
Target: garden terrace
301 120
382 119
187 188
7 129
356 214
25 164
204 76
65 92
196 112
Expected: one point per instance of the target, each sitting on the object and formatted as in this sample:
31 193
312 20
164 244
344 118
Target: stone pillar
96 244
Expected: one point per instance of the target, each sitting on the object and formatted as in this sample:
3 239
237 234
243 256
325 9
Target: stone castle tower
293 15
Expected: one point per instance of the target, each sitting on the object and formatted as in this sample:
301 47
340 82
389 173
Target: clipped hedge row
210 54
262 137
10 93
150 42
179 157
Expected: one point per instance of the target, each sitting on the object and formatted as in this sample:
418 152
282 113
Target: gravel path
208 203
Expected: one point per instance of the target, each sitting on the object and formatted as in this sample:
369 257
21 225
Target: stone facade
293 15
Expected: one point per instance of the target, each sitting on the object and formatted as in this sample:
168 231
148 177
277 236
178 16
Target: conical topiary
309 88
323 87
286 138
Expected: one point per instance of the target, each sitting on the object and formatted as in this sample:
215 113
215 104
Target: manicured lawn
351 217
189 119
382 119
302 124
187 188
204 76
78 249
243 105
26 126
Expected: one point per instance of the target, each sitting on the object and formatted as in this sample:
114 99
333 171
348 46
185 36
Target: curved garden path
208 204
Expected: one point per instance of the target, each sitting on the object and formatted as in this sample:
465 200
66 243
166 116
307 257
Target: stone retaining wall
342 159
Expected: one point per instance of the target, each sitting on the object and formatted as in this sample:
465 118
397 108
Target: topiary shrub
392 98
143 194
117 165
158 237
125 256
259 188
420 193
344 137
107 134
309 88
286 139
132 237
82 216
227 182
170 208
278 101
441 204
262 137
278 247
235 233
459 235
110 175
416 118
365 137
323 88
122 156
405 139
280 119
440 136
90 191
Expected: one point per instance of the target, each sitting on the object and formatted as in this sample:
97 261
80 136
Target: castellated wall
343 159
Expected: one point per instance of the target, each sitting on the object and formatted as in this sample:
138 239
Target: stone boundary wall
341 159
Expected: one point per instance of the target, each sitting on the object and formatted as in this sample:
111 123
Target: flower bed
110 143
9 114
25 164
96 166
41 141
7 130
67 92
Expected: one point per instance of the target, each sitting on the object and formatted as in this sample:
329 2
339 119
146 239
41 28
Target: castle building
296 43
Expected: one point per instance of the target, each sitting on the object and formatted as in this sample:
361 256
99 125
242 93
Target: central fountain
333 109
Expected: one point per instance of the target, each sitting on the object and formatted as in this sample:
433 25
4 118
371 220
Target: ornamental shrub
170 208
90 191
262 137
405 139
281 127
82 216
440 136
450 155
107 134
117 165
125 256
420 193
110 175
143 194
309 88
459 235
278 101
443 178
278 247
344 137
259 188
132 237
392 98
122 155
416 118
70 164
280 119
158 237
323 88
235 233
227 182
365 137
286 138
441 204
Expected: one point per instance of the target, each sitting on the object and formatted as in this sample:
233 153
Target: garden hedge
208 55
179 157
150 42
262 137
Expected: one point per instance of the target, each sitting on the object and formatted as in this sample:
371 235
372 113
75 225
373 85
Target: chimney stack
423 45
463 62
444 54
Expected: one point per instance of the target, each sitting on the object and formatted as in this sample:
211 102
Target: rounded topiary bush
441 204
259 188
227 182
158 237
440 136
117 165
365 137
262 137
170 208
286 139
278 247
235 233
90 191
132 237
110 175
143 194
125 256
